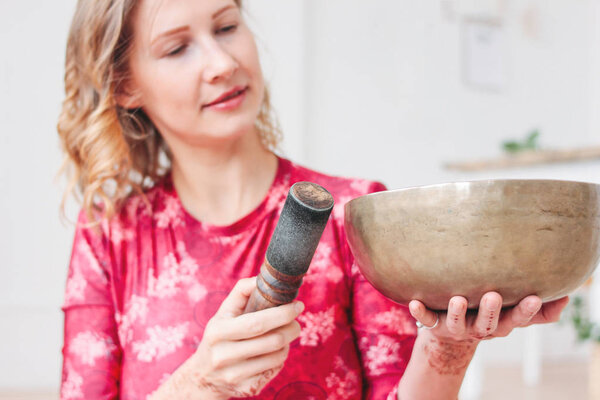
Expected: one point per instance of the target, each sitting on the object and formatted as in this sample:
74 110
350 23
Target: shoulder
134 212
144 207
343 189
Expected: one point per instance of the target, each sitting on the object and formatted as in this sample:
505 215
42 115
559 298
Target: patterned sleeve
91 351
385 332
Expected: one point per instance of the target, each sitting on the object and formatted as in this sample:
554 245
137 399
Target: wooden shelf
526 158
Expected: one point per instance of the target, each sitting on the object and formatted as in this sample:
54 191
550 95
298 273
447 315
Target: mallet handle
292 246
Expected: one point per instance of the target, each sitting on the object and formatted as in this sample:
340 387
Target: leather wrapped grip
292 246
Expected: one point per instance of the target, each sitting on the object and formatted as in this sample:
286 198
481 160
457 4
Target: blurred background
404 92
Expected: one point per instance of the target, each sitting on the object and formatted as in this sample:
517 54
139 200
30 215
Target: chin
235 127
224 136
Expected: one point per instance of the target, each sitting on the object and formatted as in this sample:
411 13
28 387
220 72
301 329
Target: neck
220 185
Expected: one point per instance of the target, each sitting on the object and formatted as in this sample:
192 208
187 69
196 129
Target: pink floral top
141 289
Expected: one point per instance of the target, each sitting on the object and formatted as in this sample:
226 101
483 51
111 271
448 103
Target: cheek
257 80
248 57
170 86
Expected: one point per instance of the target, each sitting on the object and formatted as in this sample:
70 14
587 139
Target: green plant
530 143
577 315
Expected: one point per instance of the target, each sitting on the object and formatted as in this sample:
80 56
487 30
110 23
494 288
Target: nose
219 64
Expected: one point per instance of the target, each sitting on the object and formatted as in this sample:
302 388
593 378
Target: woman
167 130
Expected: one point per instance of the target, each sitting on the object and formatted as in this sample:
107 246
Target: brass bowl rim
477 182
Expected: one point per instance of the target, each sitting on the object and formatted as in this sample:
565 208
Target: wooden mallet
292 246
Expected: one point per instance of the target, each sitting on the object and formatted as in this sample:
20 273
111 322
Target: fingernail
532 307
299 306
413 306
492 303
457 304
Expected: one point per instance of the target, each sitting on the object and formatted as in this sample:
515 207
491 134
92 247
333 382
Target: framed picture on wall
484 54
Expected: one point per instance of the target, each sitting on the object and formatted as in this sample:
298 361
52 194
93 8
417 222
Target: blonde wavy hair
112 152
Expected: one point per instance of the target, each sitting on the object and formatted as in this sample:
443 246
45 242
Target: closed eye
227 29
176 51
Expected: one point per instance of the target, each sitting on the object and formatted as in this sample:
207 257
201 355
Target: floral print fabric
142 287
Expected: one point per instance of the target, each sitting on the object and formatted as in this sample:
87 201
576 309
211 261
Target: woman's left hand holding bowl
489 320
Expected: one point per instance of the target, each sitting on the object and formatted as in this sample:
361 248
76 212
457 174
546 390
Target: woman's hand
489 320
442 353
239 353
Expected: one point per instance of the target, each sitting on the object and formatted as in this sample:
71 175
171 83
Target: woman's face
194 70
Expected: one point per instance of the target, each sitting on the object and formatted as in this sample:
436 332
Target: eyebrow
222 10
185 27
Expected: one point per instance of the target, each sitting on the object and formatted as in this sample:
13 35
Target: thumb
236 300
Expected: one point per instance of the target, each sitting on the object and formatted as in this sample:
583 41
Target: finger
421 313
258 323
236 300
550 312
486 321
523 312
232 352
235 375
518 316
456 317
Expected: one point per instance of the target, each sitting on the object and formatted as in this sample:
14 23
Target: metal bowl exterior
516 237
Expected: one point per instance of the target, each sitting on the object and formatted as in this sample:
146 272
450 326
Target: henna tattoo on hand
260 383
221 388
449 358
232 390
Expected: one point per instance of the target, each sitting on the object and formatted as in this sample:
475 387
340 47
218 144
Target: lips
230 94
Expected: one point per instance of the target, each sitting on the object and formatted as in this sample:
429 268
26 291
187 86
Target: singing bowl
515 237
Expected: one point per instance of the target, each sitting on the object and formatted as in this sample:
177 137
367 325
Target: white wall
386 85
369 89
33 243
282 43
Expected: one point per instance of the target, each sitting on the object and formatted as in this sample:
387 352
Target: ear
128 96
